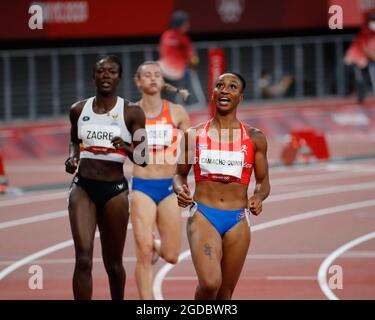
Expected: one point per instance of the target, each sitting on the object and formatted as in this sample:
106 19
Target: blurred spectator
273 89
361 55
177 56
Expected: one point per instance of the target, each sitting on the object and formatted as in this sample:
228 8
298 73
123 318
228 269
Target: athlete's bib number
99 135
159 134
229 163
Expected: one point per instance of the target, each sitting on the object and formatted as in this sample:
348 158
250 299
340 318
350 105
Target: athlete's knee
210 284
144 253
84 262
114 268
225 294
170 257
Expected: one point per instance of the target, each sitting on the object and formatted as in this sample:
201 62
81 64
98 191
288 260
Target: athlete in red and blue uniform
224 153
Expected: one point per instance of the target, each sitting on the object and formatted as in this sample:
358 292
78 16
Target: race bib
159 134
99 135
229 163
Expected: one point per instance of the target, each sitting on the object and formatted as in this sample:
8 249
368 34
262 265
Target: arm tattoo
207 250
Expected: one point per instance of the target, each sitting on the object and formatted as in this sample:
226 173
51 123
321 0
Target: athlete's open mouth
224 101
106 84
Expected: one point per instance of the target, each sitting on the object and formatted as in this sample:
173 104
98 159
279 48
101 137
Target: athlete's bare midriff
219 195
155 171
101 170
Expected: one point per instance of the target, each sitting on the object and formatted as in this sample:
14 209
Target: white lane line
273 198
312 167
306 256
270 278
314 214
355 168
312 193
296 256
158 282
321 191
318 177
64 194
34 256
35 168
164 270
181 278
304 169
38 218
167 267
161 272
50 131
332 257
14 191
63 261
39 254
34 198
291 278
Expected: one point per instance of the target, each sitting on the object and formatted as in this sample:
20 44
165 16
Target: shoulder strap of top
166 111
245 132
89 103
206 125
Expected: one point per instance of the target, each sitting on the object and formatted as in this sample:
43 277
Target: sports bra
97 130
224 162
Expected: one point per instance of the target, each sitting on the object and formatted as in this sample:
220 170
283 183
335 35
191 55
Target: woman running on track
102 128
152 198
224 152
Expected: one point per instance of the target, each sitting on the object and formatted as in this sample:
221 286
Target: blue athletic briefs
222 220
156 189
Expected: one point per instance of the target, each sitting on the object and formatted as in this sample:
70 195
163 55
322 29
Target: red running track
312 211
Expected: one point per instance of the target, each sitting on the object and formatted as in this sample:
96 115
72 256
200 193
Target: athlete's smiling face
149 79
228 92
106 76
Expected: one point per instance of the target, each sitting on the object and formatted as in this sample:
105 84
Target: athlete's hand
119 144
184 197
254 204
71 164
184 94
